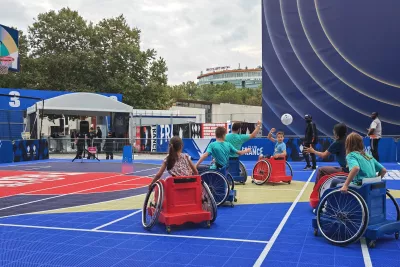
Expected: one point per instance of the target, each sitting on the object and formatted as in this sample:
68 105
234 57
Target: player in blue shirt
337 148
280 146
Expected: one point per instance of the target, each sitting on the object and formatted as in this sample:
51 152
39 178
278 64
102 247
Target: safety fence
389 148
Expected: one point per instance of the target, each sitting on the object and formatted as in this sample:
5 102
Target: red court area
56 183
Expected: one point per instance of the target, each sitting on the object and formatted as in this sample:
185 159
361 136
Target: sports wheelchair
220 182
178 200
343 218
272 170
237 170
323 184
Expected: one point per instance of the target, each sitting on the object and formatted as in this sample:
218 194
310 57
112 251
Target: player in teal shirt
361 165
280 146
220 150
237 140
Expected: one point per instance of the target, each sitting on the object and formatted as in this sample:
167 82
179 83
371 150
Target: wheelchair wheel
289 170
208 201
261 172
152 205
243 172
218 185
342 218
230 180
396 206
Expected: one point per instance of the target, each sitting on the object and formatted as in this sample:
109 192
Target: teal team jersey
237 141
220 151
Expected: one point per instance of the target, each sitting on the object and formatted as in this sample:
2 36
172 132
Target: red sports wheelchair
179 200
324 183
273 171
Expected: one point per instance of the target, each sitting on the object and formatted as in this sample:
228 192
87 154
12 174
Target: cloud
190 35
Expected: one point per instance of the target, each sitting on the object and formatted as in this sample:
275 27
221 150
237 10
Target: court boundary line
43 212
278 230
57 196
136 233
365 253
117 220
86 181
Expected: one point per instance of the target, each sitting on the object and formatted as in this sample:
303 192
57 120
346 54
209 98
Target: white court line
37 168
269 189
271 242
86 181
365 253
43 211
117 220
43 199
22 164
135 233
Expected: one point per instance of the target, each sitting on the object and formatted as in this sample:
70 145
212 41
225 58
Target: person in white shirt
375 133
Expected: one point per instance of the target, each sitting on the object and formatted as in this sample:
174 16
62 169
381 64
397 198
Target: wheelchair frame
222 177
272 171
370 203
238 170
179 200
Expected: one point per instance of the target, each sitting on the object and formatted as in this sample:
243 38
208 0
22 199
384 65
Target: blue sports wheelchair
220 183
343 218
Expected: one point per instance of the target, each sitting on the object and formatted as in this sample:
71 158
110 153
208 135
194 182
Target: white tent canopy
80 104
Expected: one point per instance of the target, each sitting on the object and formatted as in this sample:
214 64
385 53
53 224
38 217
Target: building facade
241 78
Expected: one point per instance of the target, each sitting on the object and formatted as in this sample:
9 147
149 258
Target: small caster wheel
252 182
396 235
371 244
208 224
289 182
315 232
168 229
235 200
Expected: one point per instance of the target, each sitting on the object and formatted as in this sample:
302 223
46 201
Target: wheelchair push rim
230 180
243 172
342 218
261 172
152 205
218 185
208 201
289 167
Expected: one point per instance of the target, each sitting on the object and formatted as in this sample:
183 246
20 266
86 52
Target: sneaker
314 168
307 168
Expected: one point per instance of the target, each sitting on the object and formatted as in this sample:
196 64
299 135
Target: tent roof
84 104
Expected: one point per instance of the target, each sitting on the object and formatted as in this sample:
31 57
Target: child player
220 150
280 146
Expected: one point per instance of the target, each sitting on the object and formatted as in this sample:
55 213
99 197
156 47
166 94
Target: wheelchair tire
218 185
208 201
230 180
243 172
152 205
261 172
342 218
290 169
396 205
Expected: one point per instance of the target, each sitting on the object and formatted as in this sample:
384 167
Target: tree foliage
62 51
220 93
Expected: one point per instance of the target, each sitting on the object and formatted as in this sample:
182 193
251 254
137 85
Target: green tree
65 52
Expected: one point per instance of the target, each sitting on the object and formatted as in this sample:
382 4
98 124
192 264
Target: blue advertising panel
30 150
164 134
321 59
6 152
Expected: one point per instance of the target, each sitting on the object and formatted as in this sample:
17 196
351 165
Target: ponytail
175 145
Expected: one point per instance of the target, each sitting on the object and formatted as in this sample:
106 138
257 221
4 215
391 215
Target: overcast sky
191 35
